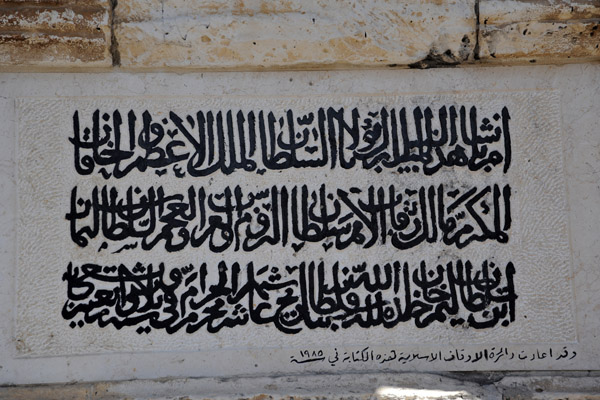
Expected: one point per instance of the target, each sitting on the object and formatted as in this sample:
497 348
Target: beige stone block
47 392
55 34
257 34
539 31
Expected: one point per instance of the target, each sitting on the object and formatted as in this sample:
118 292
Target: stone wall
133 43
136 35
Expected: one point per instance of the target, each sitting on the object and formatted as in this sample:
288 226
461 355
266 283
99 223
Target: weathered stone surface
315 34
48 392
55 34
574 386
512 31
257 34
550 387
365 386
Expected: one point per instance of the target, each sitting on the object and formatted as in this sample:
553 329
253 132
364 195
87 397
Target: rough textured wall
179 35
55 34
282 34
408 386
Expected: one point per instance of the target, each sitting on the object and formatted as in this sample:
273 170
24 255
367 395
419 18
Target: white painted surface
579 93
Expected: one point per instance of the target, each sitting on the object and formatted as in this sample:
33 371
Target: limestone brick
55 34
539 31
47 392
257 34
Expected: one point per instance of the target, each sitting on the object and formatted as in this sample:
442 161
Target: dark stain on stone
114 45
477 30
435 60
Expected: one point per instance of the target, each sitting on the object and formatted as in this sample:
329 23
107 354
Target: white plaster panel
537 239
547 125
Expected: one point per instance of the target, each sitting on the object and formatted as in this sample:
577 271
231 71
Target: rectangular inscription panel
185 224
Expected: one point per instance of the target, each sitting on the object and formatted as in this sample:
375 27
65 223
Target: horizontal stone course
315 34
471 386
